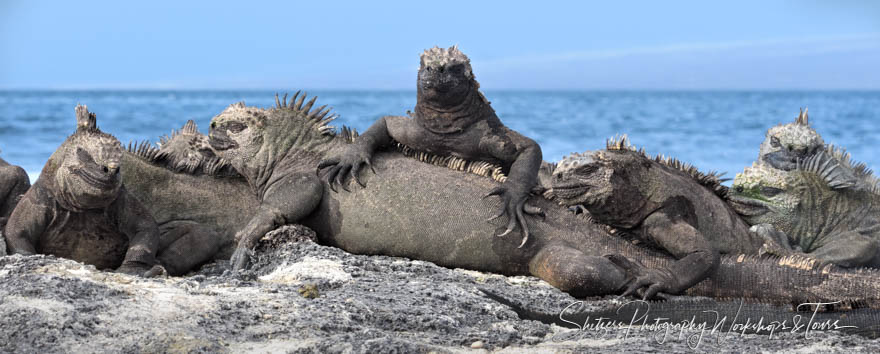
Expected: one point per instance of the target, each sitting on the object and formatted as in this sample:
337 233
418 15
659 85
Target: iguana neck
822 213
447 119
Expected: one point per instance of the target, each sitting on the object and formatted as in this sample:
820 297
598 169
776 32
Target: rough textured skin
14 182
817 209
659 201
197 201
452 118
785 144
403 211
79 208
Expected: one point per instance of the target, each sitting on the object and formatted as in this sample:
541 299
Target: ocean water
716 131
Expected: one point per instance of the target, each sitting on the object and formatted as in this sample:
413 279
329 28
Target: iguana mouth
97 180
747 206
569 191
221 144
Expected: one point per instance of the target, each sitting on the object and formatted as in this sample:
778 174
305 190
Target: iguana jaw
748 207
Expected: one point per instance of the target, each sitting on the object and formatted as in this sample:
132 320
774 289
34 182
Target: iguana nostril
106 170
738 189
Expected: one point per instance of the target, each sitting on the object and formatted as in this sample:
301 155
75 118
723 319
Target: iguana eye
770 191
774 142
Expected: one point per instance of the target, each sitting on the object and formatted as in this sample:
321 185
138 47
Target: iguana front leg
138 224
775 242
355 156
508 145
27 223
696 257
287 201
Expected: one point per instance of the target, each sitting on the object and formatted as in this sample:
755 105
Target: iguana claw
516 209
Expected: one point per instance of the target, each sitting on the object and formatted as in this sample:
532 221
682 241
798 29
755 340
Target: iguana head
445 77
85 168
605 182
762 194
254 139
785 144
188 150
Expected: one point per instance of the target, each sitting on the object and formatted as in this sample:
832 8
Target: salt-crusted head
785 144
445 76
85 168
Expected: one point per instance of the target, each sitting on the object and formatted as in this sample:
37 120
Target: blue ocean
714 130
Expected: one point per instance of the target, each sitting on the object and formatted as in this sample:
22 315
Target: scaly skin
658 201
198 203
79 208
818 209
14 182
452 118
785 144
436 213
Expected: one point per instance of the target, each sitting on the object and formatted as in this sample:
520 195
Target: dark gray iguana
437 214
14 182
79 208
816 209
198 202
452 118
662 202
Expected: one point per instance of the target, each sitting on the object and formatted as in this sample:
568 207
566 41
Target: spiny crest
861 171
210 166
479 168
619 142
318 116
829 169
85 120
711 180
348 135
445 57
189 128
803 118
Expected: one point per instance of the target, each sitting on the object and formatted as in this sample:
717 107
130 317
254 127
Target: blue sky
367 45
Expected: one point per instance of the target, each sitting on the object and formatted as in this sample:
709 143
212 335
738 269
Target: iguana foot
513 204
775 242
349 162
241 258
647 283
140 269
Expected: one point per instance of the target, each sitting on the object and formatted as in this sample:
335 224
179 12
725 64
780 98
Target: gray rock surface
303 297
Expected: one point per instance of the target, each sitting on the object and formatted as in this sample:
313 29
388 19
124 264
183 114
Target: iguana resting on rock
198 202
452 118
660 201
817 209
79 208
436 214
14 182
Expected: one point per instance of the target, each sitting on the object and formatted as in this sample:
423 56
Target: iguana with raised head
660 201
436 214
818 209
79 208
451 118
785 144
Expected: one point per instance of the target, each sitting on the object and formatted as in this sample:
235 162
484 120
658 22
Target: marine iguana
14 182
79 208
785 144
660 201
451 118
198 201
436 214
817 209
